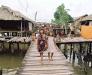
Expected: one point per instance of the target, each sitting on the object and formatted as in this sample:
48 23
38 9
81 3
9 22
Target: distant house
14 21
87 20
39 24
78 20
86 27
77 24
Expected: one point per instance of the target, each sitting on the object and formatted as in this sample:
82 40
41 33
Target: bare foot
41 62
51 59
48 60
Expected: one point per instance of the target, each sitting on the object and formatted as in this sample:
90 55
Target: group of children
42 44
43 36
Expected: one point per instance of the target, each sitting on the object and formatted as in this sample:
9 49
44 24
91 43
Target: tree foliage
61 16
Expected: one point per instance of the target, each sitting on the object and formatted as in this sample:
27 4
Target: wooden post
64 31
24 44
1 71
65 51
0 46
12 34
18 46
21 28
80 47
73 57
8 34
90 53
16 33
79 55
70 51
89 47
26 34
10 46
55 32
3 45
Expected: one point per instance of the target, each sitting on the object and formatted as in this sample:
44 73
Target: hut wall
30 26
86 32
14 25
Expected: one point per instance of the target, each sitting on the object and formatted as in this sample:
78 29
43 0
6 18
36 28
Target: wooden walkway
72 40
32 66
17 39
20 39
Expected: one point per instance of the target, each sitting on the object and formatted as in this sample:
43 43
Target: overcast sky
46 8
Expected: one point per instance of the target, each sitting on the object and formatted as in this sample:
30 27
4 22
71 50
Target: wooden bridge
31 64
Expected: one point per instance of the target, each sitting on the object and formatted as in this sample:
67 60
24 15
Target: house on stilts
13 23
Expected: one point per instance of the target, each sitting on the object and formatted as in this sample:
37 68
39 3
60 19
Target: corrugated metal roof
89 17
80 18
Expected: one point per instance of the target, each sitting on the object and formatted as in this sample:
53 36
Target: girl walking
42 43
51 47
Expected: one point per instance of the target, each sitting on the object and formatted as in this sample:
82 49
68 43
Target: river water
10 61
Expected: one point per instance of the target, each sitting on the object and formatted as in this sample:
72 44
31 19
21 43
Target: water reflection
10 61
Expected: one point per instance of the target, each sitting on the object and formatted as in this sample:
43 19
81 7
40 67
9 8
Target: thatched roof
7 13
87 18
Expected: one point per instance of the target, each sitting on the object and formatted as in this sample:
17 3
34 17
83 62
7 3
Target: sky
45 8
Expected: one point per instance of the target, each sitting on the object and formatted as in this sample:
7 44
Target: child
33 36
50 47
41 43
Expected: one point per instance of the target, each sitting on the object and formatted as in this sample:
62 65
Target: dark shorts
41 49
72 32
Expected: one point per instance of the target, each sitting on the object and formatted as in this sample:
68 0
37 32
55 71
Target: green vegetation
61 16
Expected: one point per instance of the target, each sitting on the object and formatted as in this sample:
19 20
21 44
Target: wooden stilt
73 57
0 46
10 47
26 34
15 33
64 31
8 34
65 51
89 47
80 47
70 51
18 46
3 47
79 55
